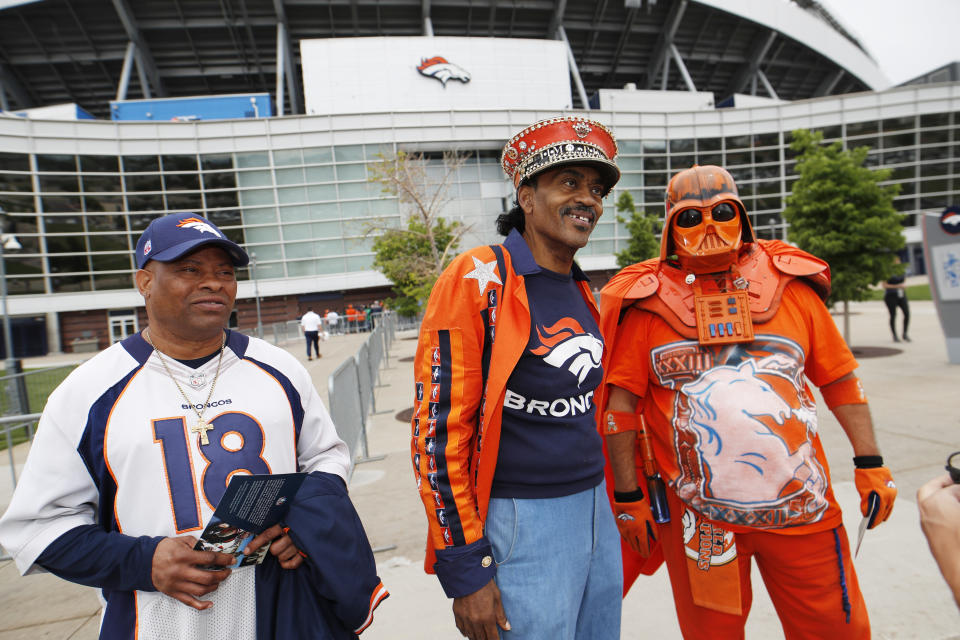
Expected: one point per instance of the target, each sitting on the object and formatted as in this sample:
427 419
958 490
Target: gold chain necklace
201 427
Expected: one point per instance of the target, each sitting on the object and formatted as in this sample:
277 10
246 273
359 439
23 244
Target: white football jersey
115 447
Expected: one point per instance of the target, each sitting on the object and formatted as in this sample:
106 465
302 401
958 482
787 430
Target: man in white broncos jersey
135 448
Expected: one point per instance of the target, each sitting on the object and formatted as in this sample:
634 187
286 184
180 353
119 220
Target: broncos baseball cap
561 141
171 237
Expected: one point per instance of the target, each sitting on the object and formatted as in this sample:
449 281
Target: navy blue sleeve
464 570
325 526
90 556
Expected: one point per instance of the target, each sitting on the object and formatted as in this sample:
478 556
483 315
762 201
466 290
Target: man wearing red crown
709 349
507 456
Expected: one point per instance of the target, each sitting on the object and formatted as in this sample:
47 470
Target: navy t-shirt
549 445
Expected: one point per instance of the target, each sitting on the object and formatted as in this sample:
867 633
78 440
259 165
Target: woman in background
895 295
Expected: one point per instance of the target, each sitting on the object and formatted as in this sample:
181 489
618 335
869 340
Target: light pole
256 291
8 242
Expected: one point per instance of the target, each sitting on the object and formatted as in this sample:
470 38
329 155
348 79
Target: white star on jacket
483 273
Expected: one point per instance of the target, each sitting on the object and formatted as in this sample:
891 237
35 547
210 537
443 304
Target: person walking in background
895 296
311 323
506 453
135 449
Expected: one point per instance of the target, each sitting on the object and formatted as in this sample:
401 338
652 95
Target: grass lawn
39 382
914 292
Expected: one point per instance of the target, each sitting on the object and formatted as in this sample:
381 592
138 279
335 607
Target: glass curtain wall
314 212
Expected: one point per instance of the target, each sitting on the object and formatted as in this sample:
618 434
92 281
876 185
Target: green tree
643 229
839 212
414 257
406 257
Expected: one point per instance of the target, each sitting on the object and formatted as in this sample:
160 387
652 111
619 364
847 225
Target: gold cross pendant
202 427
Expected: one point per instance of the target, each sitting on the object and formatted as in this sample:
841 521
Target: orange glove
875 481
635 522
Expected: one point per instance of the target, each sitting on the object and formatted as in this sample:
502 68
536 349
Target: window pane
14 162
15 182
181 181
255 197
107 223
56 162
111 262
59 183
219 199
99 183
216 161
63 284
224 219
60 204
287 157
225 180
102 203
184 202
352 153
179 163
140 163
319 193
254 179
99 164
320 174
146 182
257 159
145 203
103 282
290 176
17 204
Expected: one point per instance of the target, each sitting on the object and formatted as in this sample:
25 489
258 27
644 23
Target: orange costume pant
802 575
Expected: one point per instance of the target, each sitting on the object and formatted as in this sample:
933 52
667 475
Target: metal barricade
346 409
25 392
376 347
285 332
366 381
9 424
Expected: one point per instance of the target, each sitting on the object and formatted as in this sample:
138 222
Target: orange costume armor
714 339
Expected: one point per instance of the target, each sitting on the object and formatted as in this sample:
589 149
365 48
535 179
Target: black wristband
628 496
867 462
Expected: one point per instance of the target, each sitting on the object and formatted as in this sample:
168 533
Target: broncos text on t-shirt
549 445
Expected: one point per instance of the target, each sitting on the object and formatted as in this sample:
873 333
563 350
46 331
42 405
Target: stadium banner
362 75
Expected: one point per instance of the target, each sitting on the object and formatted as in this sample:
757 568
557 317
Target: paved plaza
912 396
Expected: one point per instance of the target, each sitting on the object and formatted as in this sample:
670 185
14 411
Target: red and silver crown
559 141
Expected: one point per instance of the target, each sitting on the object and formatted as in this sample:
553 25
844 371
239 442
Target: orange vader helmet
706 222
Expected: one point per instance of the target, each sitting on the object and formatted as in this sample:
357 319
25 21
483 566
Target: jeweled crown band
558 153
558 141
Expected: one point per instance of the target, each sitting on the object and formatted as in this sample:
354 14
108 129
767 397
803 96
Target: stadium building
265 115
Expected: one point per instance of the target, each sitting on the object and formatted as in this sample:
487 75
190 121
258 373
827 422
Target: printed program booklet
251 504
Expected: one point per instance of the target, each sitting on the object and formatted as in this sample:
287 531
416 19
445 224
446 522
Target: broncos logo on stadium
438 67
567 345
198 224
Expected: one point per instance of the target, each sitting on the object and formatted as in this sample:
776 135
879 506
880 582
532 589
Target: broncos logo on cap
567 344
438 67
200 225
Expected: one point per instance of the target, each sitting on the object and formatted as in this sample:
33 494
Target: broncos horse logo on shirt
566 344
200 225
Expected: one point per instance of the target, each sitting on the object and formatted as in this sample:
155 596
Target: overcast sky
906 37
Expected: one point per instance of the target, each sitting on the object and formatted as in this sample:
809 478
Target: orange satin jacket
476 327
